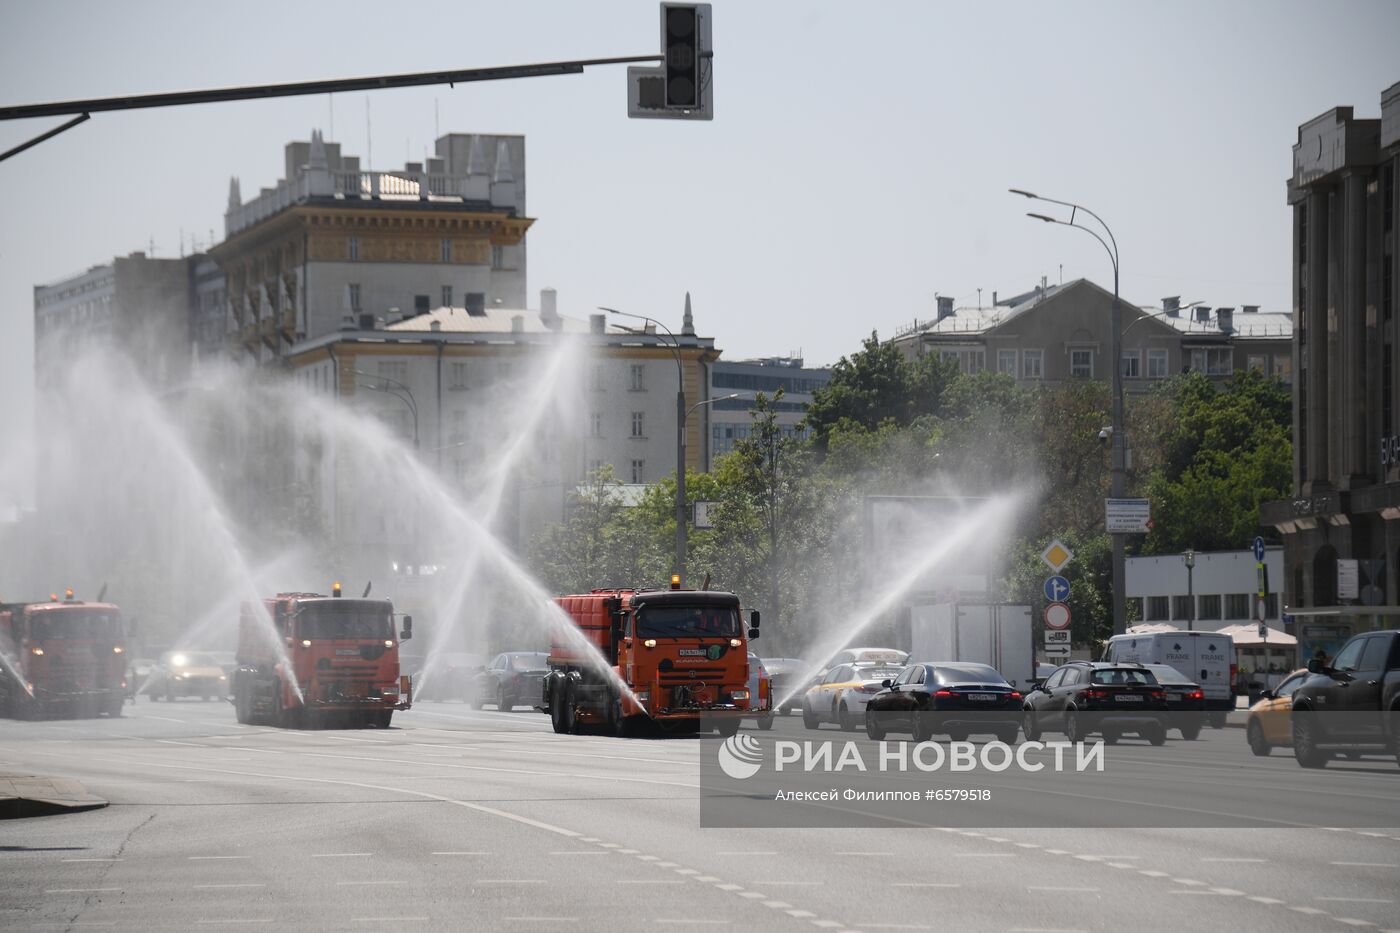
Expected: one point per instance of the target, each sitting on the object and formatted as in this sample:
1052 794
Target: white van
1208 658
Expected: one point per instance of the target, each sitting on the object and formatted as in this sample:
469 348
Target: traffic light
680 38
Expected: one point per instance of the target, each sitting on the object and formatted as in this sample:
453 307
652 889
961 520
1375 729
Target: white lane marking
730 887
1023 845
1310 911
1228 892
986 854
686 920
186 744
1366 864
214 858
726 854
800 914
89 860
201 887
649 858
1057 888
509 881
1357 900
341 854
78 890
231 922
1264 900
777 905
343 884
1352 921
650 881
583 852
687 871
1190 881
1235 860
1150 873
774 884
461 853
752 894
826 924
864 853
384 919
925 884
705 879
542 919
896 926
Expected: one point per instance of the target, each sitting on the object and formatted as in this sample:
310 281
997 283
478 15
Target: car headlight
223 677
739 694
643 696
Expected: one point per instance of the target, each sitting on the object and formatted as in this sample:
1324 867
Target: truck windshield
76 624
345 621
688 622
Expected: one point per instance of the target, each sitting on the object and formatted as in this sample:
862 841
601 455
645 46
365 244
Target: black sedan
515 678
1185 700
1084 697
956 699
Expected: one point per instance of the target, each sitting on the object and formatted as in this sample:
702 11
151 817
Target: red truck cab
313 659
62 658
664 656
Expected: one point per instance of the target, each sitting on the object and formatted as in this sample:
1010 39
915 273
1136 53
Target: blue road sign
1056 589
1259 549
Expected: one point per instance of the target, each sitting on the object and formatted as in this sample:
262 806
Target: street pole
1190 559
675 348
1119 479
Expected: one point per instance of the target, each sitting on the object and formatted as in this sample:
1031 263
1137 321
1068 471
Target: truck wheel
556 708
114 706
1008 735
728 727
1191 733
1157 735
502 703
765 722
1305 738
1254 735
380 719
570 712
846 720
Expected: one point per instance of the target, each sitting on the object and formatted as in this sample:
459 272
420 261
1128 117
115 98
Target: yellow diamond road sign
1057 555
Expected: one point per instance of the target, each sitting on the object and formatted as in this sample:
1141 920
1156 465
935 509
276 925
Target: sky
858 163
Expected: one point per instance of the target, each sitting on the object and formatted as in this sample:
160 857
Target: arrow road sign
1055 651
1056 589
1259 549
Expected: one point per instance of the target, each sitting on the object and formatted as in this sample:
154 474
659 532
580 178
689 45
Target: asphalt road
455 819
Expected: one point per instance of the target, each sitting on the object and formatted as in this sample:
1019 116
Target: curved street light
1116 326
394 388
675 347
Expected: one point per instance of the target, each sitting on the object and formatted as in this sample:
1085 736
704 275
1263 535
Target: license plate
1128 698
982 697
692 652
347 652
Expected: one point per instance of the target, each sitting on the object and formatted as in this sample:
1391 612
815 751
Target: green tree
878 384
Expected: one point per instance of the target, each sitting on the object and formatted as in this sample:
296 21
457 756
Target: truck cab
667 657
62 657
314 658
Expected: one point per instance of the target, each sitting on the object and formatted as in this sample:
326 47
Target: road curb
26 795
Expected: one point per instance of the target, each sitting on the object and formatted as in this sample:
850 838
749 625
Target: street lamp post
1119 442
675 348
394 388
1189 558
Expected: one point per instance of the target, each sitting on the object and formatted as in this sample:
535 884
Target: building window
1271 606
1156 608
1237 606
1210 606
637 372
446 296
970 360
1181 608
353 295
498 257
397 372
639 471
445 249
1033 364
1081 363
1132 364
595 424
639 424
1156 364
1256 363
1283 365
1213 361
1006 362
457 376
421 304
354 249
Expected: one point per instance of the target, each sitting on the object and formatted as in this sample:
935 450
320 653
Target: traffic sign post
1056 589
1127 516
1057 616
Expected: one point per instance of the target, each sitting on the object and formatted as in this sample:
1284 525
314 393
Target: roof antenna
368 586
1062 273
101 593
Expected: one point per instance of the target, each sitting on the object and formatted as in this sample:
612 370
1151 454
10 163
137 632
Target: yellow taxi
1269 721
842 693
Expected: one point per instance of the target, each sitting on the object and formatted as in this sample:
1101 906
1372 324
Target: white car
843 692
